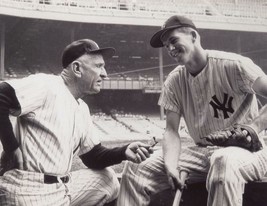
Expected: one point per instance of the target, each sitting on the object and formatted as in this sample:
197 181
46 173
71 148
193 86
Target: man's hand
174 179
238 135
13 160
138 152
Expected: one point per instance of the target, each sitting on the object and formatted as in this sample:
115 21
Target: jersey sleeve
248 72
30 91
89 137
168 98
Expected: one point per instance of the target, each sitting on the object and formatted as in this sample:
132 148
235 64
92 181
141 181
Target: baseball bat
178 194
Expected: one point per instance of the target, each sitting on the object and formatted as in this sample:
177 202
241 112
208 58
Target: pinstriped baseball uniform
50 126
219 96
195 98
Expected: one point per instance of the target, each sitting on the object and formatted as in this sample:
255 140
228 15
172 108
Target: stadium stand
32 44
225 8
121 126
125 127
25 36
140 61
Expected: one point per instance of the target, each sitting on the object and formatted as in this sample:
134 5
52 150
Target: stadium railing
130 84
216 10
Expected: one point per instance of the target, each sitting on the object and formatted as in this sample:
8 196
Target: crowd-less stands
148 8
122 126
134 58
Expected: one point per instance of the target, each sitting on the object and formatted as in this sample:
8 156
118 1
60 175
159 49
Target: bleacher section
125 128
131 127
242 8
111 130
149 8
34 45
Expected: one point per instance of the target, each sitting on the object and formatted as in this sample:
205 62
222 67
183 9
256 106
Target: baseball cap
171 23
84 46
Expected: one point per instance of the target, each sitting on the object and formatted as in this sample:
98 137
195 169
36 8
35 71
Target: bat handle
178 194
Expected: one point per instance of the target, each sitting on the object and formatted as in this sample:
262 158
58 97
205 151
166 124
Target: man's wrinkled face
93 73
179 45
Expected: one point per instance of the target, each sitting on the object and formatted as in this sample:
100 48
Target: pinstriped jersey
51 123
220 95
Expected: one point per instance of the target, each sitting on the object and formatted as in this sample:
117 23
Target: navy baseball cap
171 23
84 46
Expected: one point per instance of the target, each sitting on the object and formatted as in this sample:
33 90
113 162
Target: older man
54 124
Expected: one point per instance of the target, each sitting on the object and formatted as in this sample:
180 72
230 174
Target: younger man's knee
113 182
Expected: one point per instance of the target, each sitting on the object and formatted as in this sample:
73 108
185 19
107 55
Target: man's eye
174 41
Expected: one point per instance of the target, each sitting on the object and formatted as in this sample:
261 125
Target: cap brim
155 41
107 52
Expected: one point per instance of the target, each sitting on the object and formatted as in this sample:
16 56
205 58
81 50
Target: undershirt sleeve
100 157
8 102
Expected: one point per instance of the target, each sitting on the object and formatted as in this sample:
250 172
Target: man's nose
171 47
103 73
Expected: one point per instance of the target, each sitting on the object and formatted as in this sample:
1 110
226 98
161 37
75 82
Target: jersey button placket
194 94
198 99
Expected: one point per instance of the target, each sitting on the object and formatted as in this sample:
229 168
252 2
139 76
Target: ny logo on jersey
225 106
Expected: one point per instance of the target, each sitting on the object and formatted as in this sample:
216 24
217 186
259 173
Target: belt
50 179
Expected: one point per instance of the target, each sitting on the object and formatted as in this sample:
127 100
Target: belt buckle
64 179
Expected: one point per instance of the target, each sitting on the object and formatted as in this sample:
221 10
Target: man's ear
194 35
76 68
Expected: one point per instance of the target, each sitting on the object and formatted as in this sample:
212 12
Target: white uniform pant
86 188
225 170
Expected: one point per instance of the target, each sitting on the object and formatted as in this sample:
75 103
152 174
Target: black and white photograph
133 102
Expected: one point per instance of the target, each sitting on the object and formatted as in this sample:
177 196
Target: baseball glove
239 135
